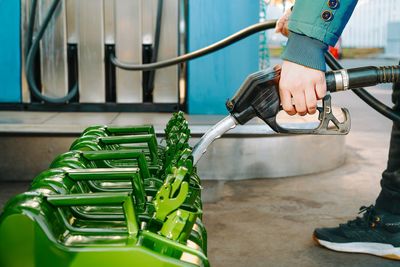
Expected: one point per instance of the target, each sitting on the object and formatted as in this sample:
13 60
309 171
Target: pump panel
80 41
10 86
214 78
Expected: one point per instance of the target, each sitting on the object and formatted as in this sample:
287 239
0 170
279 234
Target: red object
337 50
334 51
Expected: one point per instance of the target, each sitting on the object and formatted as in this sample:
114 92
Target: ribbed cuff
305 51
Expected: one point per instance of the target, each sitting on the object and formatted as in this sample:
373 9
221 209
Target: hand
282 23
305 85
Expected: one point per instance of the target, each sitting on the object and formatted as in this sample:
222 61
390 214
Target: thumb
279 25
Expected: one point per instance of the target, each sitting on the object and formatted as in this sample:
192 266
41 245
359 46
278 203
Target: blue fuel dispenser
214 78
10 69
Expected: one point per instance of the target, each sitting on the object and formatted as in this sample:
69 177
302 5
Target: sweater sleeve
313 25
305 51
323 20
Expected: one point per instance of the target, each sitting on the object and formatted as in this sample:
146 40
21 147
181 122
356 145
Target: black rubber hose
31 26
362 77
364 95
156 48
32 54
269 24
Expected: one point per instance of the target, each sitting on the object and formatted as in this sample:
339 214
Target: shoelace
366 220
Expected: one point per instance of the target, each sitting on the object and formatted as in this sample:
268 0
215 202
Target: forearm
315 24
321 19
305 51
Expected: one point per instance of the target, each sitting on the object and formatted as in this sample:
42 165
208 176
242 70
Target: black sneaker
376 233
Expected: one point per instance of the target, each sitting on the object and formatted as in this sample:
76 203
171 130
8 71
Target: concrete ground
269 222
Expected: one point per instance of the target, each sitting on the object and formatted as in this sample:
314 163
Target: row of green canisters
117 198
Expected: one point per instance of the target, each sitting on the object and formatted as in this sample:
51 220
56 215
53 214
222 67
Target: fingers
320 89
303 102
300 103
304 84
282 23
285 30
279 25
282 27
286 101
311 100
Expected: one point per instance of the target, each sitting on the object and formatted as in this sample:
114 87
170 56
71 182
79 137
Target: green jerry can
117 198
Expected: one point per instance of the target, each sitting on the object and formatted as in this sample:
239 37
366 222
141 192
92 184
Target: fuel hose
156 48
262 26
32 49
240 35
373 74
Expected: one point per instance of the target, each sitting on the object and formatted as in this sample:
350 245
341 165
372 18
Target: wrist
306 51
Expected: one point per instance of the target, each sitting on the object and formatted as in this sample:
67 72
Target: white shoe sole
378 249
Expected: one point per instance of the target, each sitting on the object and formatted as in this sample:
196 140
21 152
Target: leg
377 232
389 198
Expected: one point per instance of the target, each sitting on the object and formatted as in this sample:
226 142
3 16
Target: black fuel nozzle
259 97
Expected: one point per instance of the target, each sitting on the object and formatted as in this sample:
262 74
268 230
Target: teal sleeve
321 20
313 25
305 51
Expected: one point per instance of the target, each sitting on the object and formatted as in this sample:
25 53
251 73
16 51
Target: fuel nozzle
259 97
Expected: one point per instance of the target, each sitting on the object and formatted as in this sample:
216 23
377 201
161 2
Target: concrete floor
269 222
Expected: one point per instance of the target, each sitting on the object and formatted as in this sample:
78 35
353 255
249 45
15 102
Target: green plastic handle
101 199
131 174
131 129
120 154
159 239
165 203
150 139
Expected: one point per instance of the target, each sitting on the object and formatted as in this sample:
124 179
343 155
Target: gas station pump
61 52
10 69
74 49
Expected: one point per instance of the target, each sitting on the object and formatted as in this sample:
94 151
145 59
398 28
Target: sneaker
376 233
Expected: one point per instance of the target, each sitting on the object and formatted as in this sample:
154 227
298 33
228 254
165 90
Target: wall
368 24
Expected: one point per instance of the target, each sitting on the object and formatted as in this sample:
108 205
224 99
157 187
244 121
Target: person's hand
282 23
304 85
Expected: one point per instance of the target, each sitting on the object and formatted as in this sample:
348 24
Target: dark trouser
389 198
